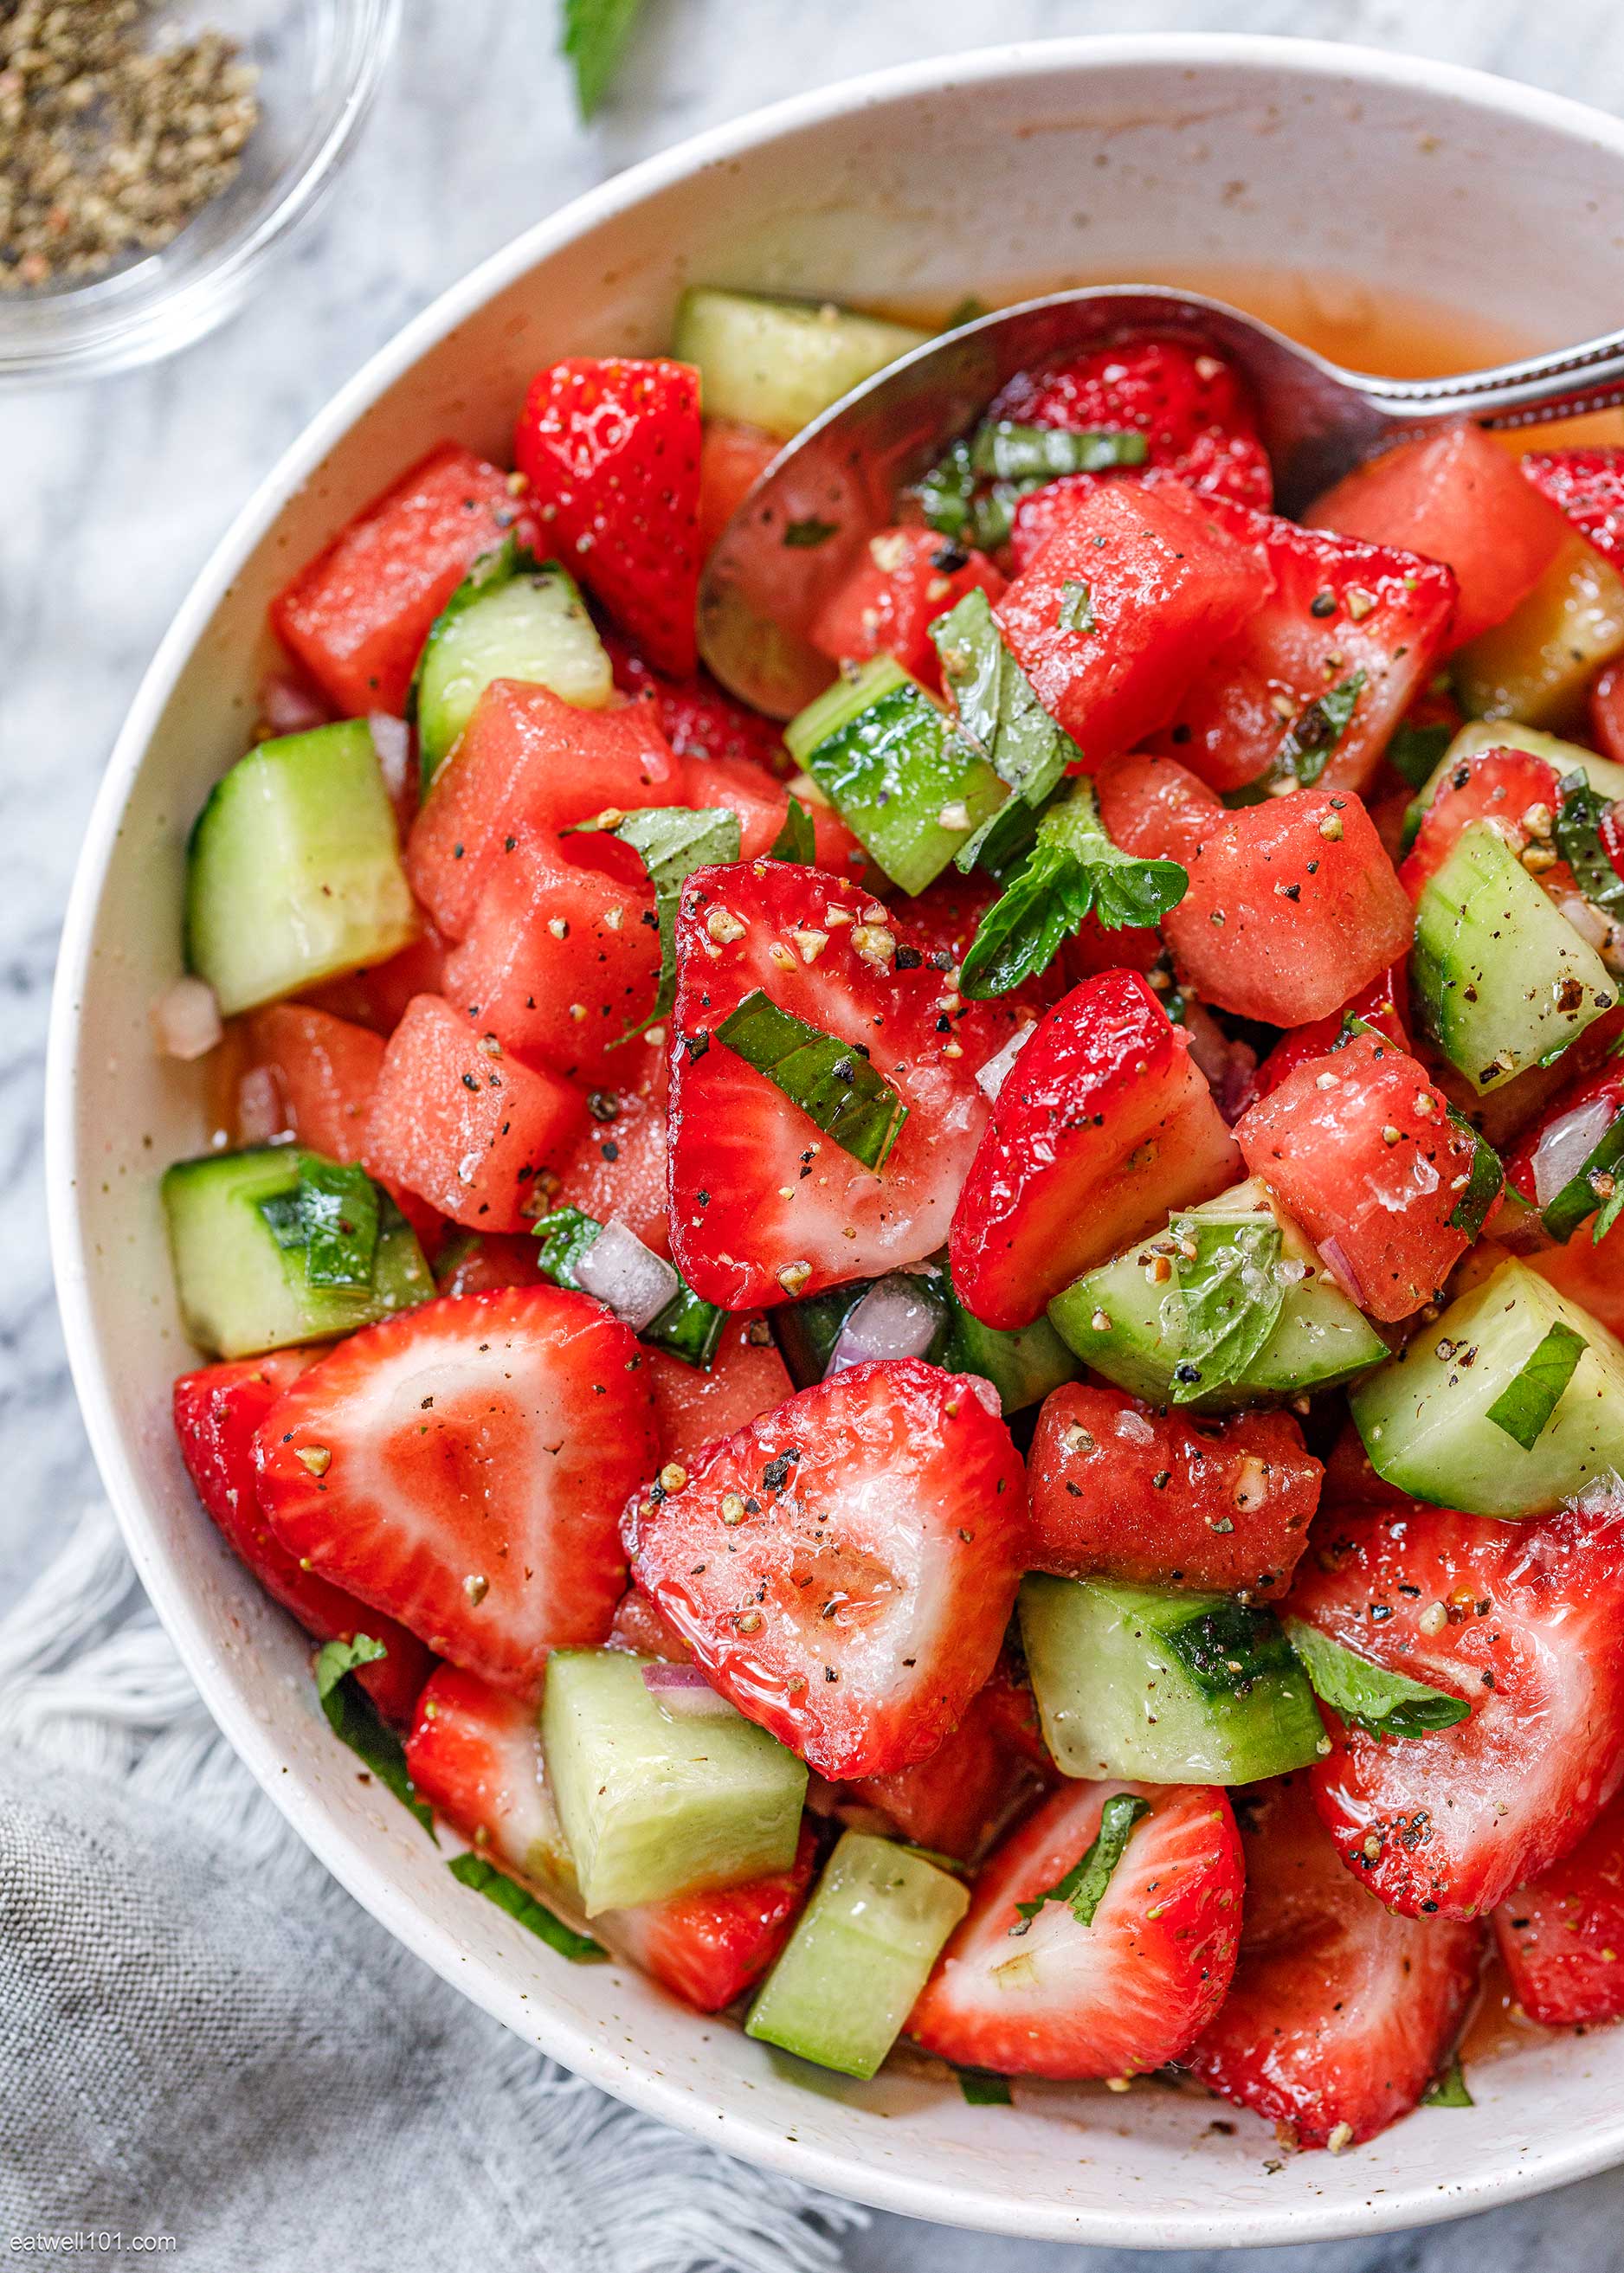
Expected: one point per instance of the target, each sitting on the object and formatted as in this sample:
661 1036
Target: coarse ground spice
109 144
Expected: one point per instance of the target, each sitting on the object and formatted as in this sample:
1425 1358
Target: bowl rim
731 2129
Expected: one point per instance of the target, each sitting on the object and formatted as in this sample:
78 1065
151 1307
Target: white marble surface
110 496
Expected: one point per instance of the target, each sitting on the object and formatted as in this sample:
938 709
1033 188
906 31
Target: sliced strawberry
844 1567
763 1204
638 1625
1587 486
218 1412
1340 2014
1512 788
1562 1938
616 1165
464 1467
1360 1148
695 1404
1382 1004
709 1947
1108 1125
695 717
1531 1634
528 762
762 803
887 605
1128 1992
1160 1500
733 457
958 1799
1166 588
1344 616
610 446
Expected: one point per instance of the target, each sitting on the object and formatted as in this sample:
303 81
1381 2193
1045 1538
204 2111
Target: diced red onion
1568 1144
1229 1066
682 1689
627 1277
1592 925
987 1393
994 1073
392 741
260 1116
185 1021
288 708
1336 1259
892 1320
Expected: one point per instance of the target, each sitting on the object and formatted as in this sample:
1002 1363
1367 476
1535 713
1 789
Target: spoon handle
1527 394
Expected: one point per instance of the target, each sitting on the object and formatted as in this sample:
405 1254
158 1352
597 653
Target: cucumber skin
779 363
1421 1418
861 1953
1099 1654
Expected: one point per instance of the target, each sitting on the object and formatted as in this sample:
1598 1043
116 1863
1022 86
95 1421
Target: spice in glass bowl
108 143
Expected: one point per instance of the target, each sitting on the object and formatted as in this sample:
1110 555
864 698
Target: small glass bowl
320 63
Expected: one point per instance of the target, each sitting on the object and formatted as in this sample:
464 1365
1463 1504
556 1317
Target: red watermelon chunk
616 1167
695 1404
886 606
740 786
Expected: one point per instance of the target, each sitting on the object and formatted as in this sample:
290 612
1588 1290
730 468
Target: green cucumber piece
861 1953
509 618
1163 1685
779 364
294 869
1480 734
1130 1326
896 770
1425 1416
653 1804
245 1286
1502 981
1023 1367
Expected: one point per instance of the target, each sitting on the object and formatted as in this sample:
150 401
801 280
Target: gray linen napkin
202 2037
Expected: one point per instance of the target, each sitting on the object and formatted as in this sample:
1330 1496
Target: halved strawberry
1587 486
1106 1126
709 1947
764 1205
1511 788
1050 1996
960 1798
1360 620
844 1566
1526 1622
1160 1500
610 447
464 1467
1383 1004
616 1165
696 715
1340 2014
886 606
1562 1938
218 1412
638 1625
695 1404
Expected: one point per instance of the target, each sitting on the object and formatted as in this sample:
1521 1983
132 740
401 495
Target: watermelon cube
324 1071
616 1167
906 579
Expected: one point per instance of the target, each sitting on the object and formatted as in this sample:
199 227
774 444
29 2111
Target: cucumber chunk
1023 1366
652 1804
777 364
1536 665
1502 980
1163 1685
1129 1326
509 618
896 769
860 1955
294 869
1481 735
245 1285
1423 1417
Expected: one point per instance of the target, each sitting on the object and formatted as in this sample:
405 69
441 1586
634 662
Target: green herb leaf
596 34
807 536
982 2087
356 1721
1578 839
1448 2090
333 1214
673 842
797 840
945 493
1414 752
1230 1296
1072 869
832 1081
1307 743
1579 1197
1083 1885
1608 1214
687 1327
1524 1407
1484 1179
564 1235
998 709
479 1872
1388 1704
1012 453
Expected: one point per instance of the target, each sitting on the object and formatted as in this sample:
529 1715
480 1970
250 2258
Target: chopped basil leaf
807 536
565 1236
797 840
1448 2089
477 1871
595 36
1230 1296
1083 1885
998 710
1580 1196
1578 839
982 2087
1367 1695
1076 607
673 841
1001 842
830 1080
356 1721
1414 752
1012 453
333 1214
1307 743
945 493
1483 1181
1608 1214
992 513
687 1327
1073 869
1524 1407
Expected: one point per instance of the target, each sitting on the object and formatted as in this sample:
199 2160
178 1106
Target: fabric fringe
90 1682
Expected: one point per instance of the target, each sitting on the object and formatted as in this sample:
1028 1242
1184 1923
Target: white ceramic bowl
1097 157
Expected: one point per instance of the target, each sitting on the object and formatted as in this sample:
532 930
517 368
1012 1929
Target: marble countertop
113 494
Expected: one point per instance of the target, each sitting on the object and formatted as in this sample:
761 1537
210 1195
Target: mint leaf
673 841
1524 1407
983 2087
332 1213
1596 1184
998 709
1083 1885
1578 839
1609 1212
1414 752
797 840
830 1080
946 492
1484 1179
356 1721
1307 744
1012 453
687 1327
596 34
480 1874
1448 2089
1367 1695
1229 1295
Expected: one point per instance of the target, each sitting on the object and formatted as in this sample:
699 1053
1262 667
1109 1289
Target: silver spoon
804 524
